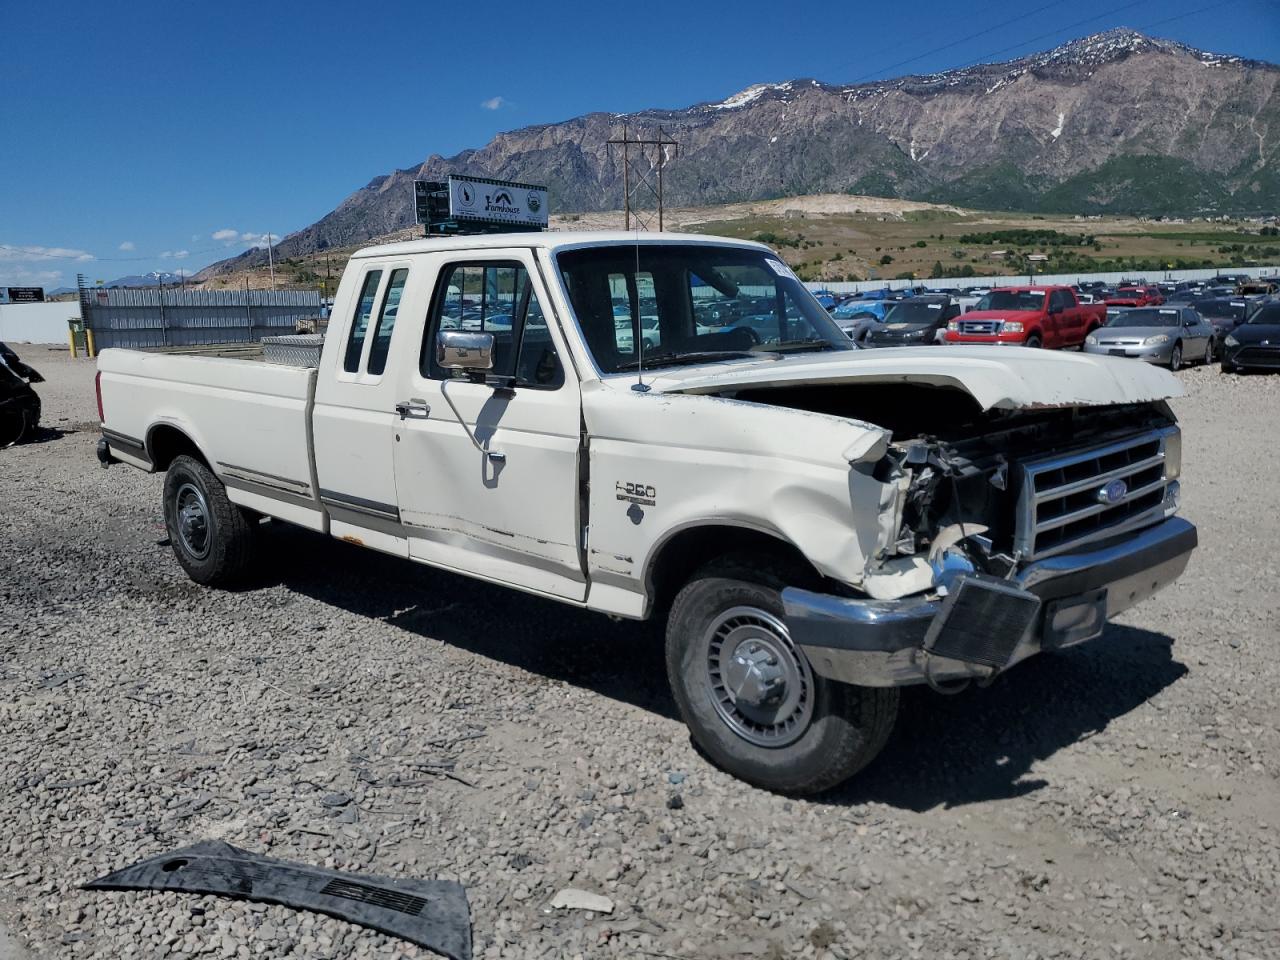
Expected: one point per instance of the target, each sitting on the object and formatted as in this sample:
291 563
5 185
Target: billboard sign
478 200
26 294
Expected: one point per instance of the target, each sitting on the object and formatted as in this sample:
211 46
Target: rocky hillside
1116 122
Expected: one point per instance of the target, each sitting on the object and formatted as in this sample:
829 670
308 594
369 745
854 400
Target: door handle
416 408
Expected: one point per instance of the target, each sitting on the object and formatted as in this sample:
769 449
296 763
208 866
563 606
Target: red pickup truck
1029 316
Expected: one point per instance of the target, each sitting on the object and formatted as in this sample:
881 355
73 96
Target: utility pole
651 179
271 259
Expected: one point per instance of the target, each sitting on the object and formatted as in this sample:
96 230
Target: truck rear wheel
211 537
751 700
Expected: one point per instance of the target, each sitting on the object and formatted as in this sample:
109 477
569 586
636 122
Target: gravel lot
366 714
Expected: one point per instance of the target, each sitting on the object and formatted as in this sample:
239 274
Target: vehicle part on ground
211 536
430 913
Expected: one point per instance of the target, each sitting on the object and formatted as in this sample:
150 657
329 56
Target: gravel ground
366 714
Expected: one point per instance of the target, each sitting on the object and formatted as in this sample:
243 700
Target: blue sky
141 136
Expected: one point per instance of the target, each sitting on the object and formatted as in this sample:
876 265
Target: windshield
1222 309
914 314
1269 314
1012 300
688 303
1143 317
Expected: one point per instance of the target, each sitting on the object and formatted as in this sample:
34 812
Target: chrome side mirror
459 350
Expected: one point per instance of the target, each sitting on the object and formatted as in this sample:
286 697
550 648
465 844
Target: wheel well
165 443
687 551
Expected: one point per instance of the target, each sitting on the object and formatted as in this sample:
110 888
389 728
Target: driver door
487 477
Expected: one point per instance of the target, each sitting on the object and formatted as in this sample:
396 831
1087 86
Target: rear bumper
882 643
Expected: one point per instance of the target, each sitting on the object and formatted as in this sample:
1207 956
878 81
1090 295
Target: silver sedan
1164 335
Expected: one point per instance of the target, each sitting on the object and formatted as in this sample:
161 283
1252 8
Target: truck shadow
983 744
979 745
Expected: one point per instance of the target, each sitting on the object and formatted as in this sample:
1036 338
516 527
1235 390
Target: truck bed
251 419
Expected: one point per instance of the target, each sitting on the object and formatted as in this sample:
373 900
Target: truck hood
1000 314
1006 378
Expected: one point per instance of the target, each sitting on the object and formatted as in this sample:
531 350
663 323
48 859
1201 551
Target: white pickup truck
818 525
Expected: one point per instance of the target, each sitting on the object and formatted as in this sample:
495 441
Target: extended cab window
386 321
360 323
496 298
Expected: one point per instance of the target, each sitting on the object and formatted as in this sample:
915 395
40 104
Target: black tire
1175 357
1208 352
13 426
838 728
212 538
1034 343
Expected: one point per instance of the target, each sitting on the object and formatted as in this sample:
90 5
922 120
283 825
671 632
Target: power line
955 43
1189 13
26 253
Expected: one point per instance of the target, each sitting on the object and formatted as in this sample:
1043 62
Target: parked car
19 404
1224 314
1134 296
857 318
1034 316
1257 288
1164 335
814 525
919 320
1254 344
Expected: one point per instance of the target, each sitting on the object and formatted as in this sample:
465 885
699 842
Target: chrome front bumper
880 643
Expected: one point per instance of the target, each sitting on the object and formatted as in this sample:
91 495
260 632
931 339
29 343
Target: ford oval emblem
1113 492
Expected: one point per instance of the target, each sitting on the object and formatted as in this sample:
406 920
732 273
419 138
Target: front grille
1061 504
979 326
1262 356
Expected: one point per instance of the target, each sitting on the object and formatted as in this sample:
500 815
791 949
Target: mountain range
1117 122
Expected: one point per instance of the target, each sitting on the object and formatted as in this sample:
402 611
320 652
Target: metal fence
1009 280
158 317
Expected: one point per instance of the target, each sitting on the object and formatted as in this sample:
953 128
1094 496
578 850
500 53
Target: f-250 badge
641 493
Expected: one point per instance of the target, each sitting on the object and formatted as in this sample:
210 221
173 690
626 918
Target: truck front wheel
211 537
751 700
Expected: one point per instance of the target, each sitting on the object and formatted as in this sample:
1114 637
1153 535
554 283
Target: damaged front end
1004 534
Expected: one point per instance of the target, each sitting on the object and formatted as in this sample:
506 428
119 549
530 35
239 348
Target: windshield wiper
805 344
671 358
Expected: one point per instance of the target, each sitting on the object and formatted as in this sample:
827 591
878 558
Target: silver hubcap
193 521
760 683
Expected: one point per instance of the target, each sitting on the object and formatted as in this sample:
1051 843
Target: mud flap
431 913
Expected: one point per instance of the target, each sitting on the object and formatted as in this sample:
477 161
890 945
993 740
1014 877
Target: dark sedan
1254 344
914 321
1225 313
19 404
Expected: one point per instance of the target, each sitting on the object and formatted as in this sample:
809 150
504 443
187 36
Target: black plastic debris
431 913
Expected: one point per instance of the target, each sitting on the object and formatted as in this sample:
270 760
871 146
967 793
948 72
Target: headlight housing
1091 339
1011 326
953 326
1158 338
1231 341
1173 454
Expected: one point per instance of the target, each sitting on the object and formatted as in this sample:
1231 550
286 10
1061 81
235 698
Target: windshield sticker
778 267
1169 313
934 306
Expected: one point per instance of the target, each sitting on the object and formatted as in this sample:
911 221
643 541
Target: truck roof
550 240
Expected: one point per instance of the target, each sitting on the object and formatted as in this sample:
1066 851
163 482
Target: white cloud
127 245
166 254
34 253
179 254
227 234
25 276
494 103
